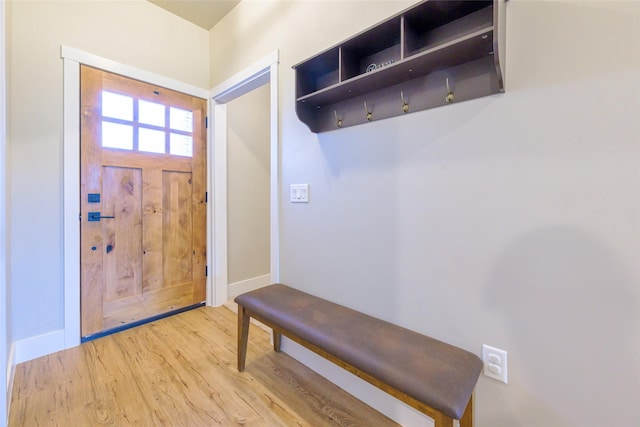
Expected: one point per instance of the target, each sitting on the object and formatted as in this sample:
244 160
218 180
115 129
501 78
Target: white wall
248 186
134 32
511 220
5 335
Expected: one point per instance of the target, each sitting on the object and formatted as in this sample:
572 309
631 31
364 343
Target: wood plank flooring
180 371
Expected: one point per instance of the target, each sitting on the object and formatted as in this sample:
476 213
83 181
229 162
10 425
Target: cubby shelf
412 60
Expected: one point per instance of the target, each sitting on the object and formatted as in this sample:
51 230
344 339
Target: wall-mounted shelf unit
434 53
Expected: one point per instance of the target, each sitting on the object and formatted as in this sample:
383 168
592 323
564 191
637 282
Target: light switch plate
299 193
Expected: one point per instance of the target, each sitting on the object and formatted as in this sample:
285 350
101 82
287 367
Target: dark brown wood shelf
459 40
320 72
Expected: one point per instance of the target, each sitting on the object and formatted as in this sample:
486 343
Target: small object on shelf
415 51
374 66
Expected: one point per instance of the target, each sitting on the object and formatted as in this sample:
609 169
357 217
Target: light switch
299 193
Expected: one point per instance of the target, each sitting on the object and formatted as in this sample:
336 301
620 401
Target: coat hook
338 121
449 97
369 115
405 104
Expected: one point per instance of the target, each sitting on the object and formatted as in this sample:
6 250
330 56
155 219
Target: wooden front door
143 200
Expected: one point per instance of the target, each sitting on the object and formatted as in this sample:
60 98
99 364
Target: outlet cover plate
495 363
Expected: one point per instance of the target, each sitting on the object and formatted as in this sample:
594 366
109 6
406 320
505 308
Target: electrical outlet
495 363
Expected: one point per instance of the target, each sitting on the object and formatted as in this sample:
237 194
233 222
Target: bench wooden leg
243 336
467 417
277 340
442 420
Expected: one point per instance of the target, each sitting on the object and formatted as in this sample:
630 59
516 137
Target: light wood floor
180 371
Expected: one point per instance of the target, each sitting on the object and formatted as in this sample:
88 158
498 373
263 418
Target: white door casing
71 159
260 73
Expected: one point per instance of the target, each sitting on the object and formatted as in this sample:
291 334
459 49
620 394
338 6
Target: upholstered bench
434 377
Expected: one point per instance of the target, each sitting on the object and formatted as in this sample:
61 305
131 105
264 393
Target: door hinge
206 122
206 197
206 271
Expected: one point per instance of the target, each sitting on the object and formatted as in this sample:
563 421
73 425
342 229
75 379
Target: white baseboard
11 364
243 286
393 408
40 345
11 370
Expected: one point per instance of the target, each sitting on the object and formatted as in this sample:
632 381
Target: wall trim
259 73
72 59
11 370
382 402
5 353
71 202
11 365
40 345
252 77
247 285
218 130
96 61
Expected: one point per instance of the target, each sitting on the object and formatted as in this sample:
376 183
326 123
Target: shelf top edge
340 43
336 86
480 32
400 14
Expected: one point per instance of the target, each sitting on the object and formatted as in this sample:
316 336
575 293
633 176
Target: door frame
256 75
72 59
6 362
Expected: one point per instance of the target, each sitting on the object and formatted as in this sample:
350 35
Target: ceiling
204 13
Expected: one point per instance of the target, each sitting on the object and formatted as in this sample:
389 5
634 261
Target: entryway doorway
248 191
262 73
143 196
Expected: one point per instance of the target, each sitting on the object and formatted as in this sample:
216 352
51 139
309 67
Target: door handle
95 216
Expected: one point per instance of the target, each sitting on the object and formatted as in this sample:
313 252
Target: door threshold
139 322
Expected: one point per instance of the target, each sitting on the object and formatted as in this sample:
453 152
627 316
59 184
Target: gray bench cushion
438 374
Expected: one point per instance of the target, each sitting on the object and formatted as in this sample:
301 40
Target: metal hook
405 104
338 121
449 97
369 115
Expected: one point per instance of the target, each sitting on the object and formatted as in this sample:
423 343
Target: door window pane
117 106
151 141
151 113
181 119
115 135
181 145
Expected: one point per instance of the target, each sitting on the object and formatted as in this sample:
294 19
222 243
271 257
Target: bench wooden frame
244 316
